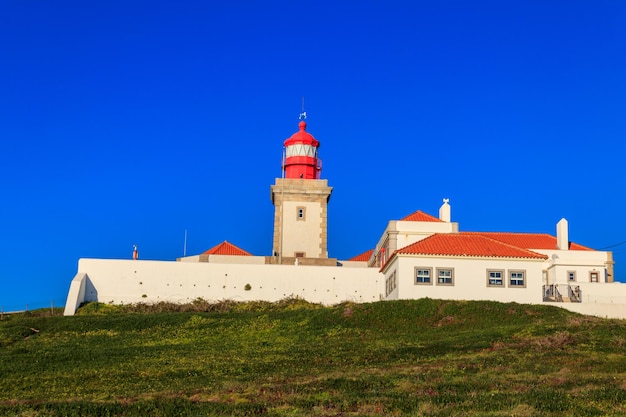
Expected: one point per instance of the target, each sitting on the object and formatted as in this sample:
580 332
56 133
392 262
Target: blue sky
127 122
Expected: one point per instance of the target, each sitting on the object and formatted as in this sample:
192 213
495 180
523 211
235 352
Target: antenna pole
185 244
303 114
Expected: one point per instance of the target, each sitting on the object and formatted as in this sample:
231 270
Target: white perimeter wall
600 299
128 281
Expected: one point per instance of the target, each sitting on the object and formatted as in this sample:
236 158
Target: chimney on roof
562 238
444 211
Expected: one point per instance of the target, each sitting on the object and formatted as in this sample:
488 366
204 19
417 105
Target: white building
425 256
417 256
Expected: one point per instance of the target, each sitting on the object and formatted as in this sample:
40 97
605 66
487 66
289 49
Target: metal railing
574 293
552 292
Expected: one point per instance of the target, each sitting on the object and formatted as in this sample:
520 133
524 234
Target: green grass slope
422 357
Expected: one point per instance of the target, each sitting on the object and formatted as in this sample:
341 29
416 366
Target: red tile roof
365 256
226 248
455 244
527 240
420 216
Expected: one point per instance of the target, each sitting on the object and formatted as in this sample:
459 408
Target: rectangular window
423 276
391 283
517 279
445 276
301 213
571 275
300 254
495 278
593 276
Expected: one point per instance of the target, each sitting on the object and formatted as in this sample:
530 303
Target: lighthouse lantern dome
301 160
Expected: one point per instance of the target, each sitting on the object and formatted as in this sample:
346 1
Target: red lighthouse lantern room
301 159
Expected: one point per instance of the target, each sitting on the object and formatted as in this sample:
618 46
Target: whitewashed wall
582 262
127 281
599 299
404 233
470 279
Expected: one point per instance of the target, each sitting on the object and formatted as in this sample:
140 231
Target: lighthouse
300 201
301 159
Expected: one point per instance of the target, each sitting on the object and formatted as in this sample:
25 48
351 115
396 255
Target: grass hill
423 357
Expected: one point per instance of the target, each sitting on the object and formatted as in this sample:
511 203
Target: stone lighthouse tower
300 201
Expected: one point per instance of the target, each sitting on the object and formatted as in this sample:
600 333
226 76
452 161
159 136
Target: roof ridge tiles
543 241
508 233
420 216
365 256
517 247
227 248
457 244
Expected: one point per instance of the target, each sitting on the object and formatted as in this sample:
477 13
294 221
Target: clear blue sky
126 122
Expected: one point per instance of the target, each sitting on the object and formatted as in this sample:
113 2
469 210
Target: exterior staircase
552 293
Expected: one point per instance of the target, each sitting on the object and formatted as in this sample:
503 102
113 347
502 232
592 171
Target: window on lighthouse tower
301 149
301 213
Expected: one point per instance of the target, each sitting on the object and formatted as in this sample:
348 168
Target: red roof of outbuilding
474 245
527 240
227 248
420 216
365 256
302 137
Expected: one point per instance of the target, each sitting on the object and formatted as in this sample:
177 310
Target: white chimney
444 211
562 238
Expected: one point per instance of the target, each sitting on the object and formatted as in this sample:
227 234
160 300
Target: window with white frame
445 276
495 278
517 279
423 276
571 276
